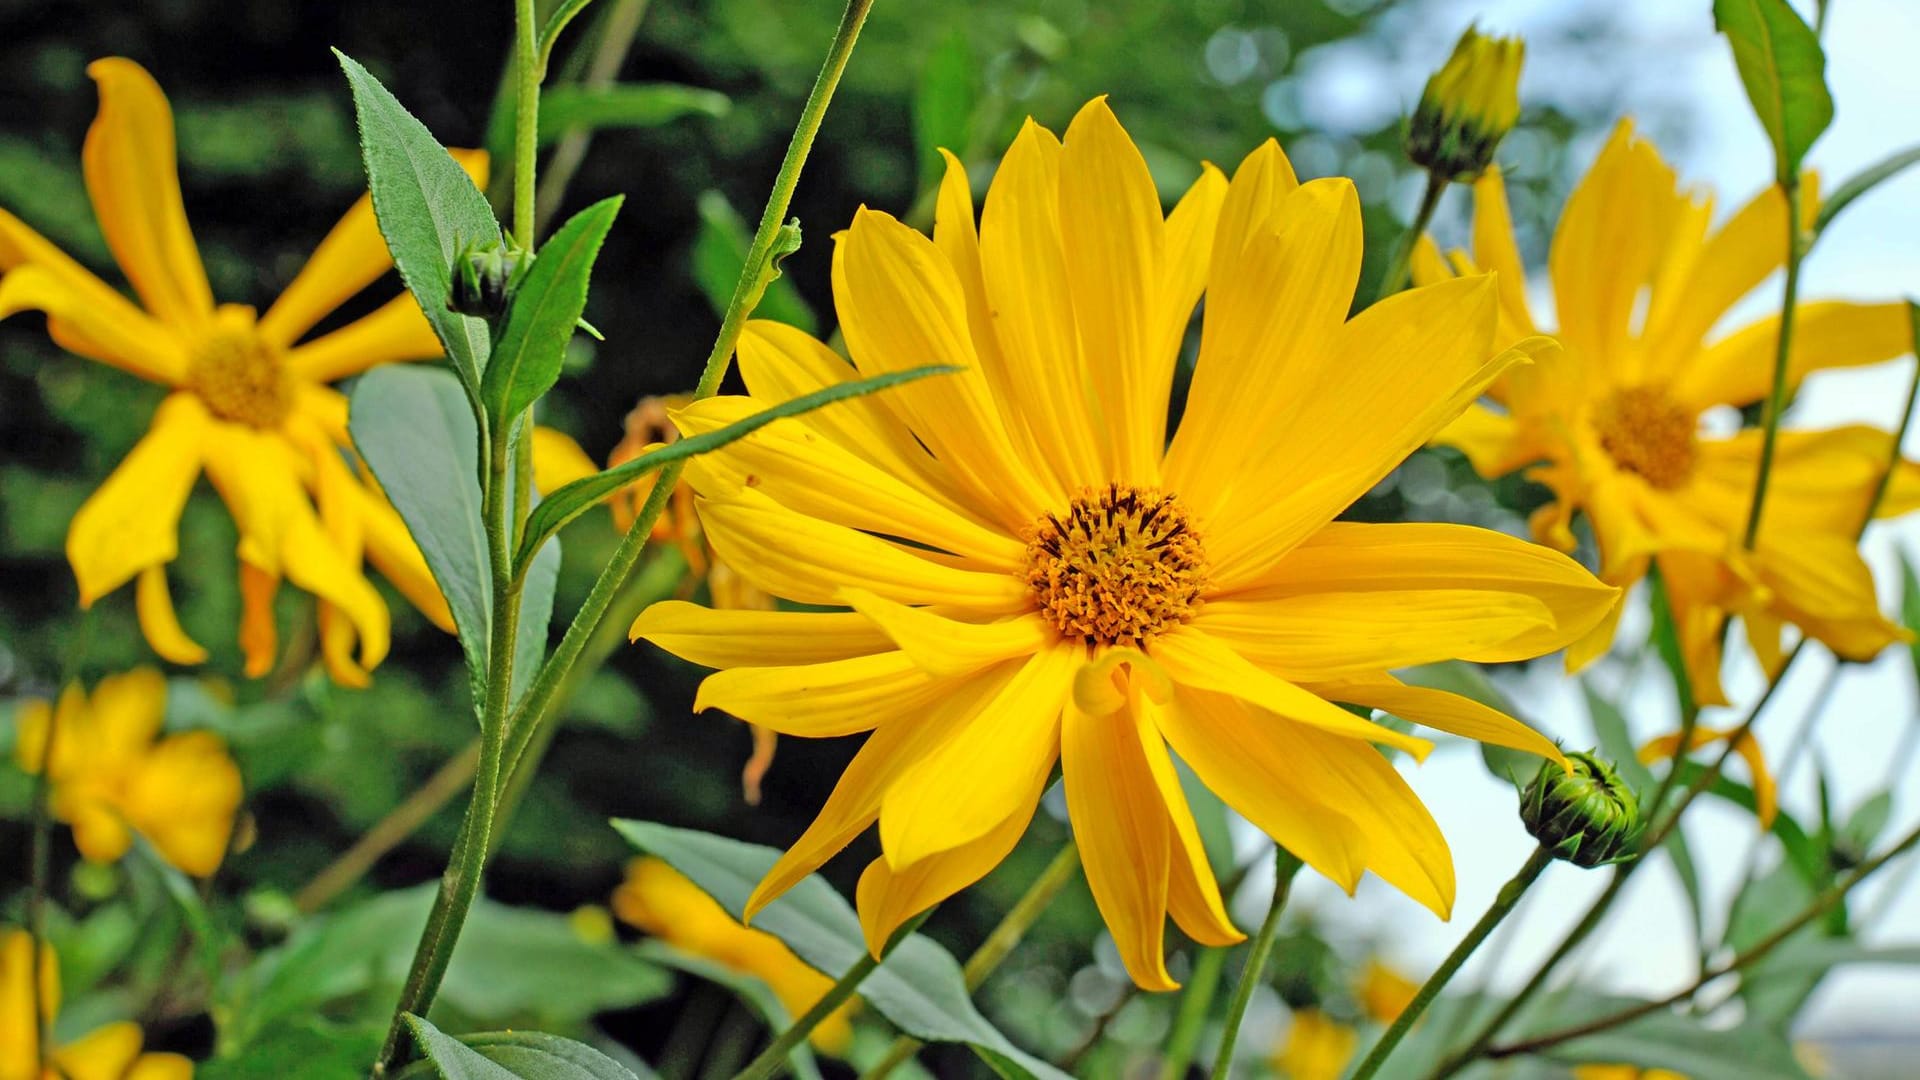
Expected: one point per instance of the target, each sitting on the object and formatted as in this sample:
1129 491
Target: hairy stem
1783 348
526 118
1285 866
1394 278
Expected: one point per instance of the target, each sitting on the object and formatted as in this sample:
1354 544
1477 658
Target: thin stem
1783 348
617 33
1399 267
1202 986
1822 904
774 1057
1503 902
999 944
40 869
526 118
536 708
1667 634
1285 866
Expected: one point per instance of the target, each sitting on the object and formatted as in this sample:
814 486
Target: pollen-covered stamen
1121 566
1647 433
241 378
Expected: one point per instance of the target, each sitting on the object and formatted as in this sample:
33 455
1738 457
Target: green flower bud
485 277
1467 107
1587 817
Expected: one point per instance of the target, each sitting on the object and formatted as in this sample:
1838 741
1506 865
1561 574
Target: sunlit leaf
1784 71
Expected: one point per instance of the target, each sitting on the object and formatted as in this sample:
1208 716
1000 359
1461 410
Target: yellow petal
976 779
122 718
810 561
1115 240
105 1053
19 1026
1194 659
887 898
1765 797
719 638
1738 369
395 331
558 460
943 646
1193 895
1443 711
1494 249
1191 229
1260 186
84 315
352 256
183 797
134 182
1122 829
1323 635
161 627
132 522
160 1067
817 701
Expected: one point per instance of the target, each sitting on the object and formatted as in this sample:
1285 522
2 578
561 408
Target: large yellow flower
1035 575
113 775
250 403
1625 418
111 1052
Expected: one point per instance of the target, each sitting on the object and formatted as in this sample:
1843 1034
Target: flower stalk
774 1058
1285 866
1782 353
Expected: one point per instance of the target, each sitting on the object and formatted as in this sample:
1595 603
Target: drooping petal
105 1053
558 460
351 257
976 778
1765 797
395 331
1324 635
1442 711
1738 369
721 638
887 897
943 646
134 182
817 701
1122 828
132 521
86 317
153 603
1193 894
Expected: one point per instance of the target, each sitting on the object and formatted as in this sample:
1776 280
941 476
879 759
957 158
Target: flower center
241 378
1646 433
1119 567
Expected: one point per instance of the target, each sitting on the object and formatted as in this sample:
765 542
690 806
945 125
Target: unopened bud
484 278
1587 817
1468 106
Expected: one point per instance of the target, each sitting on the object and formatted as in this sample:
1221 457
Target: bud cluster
485 276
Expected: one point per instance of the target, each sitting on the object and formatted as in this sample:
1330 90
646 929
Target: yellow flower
659 900
113 776
107 1053
1385 993
1036 576
250 402
1623 1072
1765 799
1468 106
1318 1047
1616 419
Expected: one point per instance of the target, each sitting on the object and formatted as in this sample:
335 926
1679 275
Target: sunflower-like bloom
111 1052
1317 1047
1035 575
661 901
113 776
1613 423
250 404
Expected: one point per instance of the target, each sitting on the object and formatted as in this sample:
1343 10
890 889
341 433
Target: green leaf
565 109
1616 743
1670 1040
919 987
1803 853
550 33
1910 607
943 105
1862 182
758 996
428 210
1784 71
452 1058
540 322
534 1055
308 1047
720 250
574 499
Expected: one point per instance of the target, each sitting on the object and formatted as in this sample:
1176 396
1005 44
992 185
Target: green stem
1783 348
526 119
999 944
1822 904
536 708
1285 866
1666 633
1202 986
40 868
1503 903
617 32
774 1058
1398 269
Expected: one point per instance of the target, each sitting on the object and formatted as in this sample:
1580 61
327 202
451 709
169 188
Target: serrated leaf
574 499
720 250
624 105
1862 182
1783 69
428 210
526 360
943 104
919 987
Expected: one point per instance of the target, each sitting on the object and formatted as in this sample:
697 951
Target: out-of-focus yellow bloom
107 1053
1623 1072
113 776
1385 993
1629 422
649 426
661 901
1468 106
1765 798
1036 575
1318 1047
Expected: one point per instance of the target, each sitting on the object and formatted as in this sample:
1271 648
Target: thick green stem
1782 352
526 118
1394 278
536 709
1503 904
1821 904
1285 866
998 945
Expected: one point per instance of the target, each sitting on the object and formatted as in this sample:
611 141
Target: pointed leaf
526 361
624 105
1862 182
1785 73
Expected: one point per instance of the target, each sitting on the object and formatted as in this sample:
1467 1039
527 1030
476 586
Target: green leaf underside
919 987
428 210
526 361
572 500
623 105
1784 71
